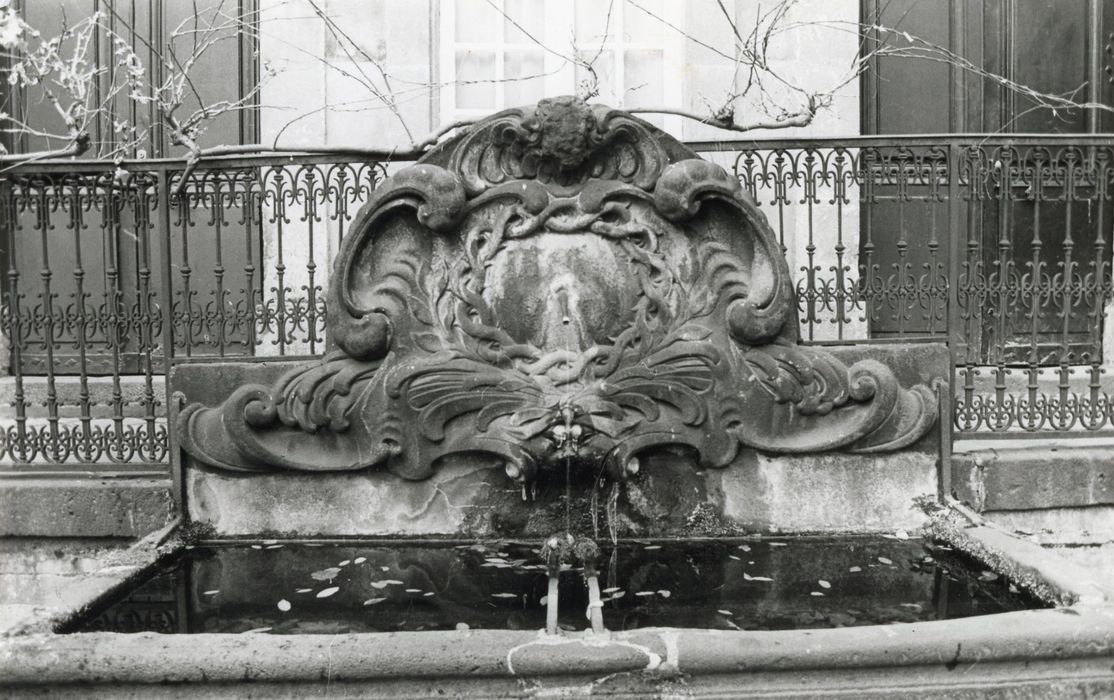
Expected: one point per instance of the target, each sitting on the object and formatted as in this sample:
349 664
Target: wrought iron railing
999 246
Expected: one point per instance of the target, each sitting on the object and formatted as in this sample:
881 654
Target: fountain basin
1069 645
728 584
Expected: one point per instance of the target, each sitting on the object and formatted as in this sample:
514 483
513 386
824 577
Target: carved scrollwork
562 280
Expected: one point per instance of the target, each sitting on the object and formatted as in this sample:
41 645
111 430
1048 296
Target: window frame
560 75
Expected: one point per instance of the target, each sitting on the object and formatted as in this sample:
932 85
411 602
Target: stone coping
1078 632
149 658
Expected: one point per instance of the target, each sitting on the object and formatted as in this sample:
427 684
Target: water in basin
753 584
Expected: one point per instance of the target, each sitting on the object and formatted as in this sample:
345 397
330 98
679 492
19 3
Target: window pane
644 27
527 14
475 20
473 66
604 65
643 76
593 24
523 73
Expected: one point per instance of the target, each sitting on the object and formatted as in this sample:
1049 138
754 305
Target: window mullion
500 56
618 56
673 66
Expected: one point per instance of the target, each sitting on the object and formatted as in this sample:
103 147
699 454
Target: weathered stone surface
1025 563
1020 649
33 571
364 503
121 507
1028 478
827 493
1060 525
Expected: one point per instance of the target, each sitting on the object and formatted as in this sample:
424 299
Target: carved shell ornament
561 281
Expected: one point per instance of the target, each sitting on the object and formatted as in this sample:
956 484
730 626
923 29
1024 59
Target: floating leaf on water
748 577
644 593
617 595
325 593
610 590
824 584
413 590
346 562
270 541
652 546
257 546
855 569
732 556
303 590
374 601
325 574
379 584
212 592
462 627
427 594
884 560
745 547
385 568
726 612
504 595
284 605
359 560
778 544
495 560
818 594
274 546
392 582
664 594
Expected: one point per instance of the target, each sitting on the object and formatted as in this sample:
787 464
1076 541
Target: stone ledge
73 507
1034 477
955 645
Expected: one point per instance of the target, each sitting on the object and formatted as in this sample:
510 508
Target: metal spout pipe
556 550
588 552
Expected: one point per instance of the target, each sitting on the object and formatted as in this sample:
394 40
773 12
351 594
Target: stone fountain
564 294
562 327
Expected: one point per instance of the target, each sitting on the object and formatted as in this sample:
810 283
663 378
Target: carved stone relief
560 282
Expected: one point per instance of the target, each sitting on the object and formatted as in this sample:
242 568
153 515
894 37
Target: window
503 53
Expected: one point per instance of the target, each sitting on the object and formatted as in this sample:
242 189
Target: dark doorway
1036 245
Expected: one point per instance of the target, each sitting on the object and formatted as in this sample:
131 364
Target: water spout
556 551
588 552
